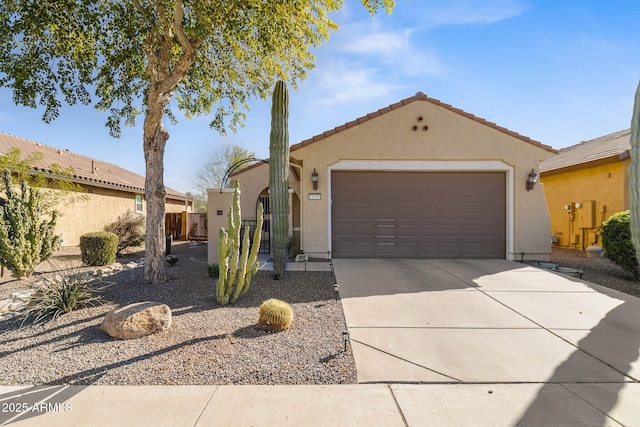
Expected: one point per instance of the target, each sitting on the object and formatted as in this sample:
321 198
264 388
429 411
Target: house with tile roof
417 179
107 189
584 185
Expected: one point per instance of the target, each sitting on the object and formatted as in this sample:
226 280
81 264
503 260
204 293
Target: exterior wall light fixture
314 179
531 180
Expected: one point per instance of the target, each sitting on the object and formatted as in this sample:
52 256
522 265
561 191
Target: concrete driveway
494 327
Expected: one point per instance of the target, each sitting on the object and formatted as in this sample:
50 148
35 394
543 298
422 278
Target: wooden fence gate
186 226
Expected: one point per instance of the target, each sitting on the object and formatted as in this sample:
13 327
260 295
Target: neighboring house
584 185
417 179
107 190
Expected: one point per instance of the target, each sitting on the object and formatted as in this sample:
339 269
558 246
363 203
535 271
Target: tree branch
178 28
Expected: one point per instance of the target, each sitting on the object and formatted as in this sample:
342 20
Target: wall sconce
314 179
531 180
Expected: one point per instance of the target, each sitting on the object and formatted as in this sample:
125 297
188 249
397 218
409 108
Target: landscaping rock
130 265
137 320
24 296
104 271
4 305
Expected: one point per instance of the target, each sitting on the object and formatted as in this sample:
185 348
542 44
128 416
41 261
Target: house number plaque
314 196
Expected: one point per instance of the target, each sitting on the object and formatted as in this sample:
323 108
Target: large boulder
137 320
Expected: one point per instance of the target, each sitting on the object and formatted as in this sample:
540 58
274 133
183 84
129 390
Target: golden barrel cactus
275 315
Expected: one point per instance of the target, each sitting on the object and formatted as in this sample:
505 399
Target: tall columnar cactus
26 236
279 177
237 263
634 174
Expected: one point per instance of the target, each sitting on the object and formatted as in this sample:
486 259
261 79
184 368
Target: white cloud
465 12
338 83
376 42
394 49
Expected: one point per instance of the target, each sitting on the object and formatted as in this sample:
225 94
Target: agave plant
59 294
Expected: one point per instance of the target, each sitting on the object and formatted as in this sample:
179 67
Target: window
138 203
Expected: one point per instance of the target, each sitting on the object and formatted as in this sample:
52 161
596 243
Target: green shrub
61 294
98 248
26 232
213 270
275 315
616 241
129 227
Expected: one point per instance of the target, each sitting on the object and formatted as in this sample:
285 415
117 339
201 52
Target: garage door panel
418 214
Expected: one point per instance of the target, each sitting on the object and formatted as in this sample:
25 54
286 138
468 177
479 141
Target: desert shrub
129 227
98 248
26 234
60 294
275 315
616 241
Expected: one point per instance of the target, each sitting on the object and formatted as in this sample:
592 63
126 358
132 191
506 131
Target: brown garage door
418 214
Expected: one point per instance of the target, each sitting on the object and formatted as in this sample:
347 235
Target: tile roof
418 97
88 171
613 145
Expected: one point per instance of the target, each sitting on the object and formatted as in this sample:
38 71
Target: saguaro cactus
237 265
634 174
279 177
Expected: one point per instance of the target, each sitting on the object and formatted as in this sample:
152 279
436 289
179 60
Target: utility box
586 215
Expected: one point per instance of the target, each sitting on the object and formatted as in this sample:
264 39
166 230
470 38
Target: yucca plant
275 315
60 294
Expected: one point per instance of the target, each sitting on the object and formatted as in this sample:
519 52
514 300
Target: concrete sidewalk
332 405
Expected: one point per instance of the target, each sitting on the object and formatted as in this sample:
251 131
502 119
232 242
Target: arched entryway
294 222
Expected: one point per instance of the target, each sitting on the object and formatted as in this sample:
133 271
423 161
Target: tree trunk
155 139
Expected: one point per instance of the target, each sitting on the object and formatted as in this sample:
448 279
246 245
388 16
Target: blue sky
559 72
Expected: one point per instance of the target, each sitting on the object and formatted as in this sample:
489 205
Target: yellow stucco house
107 190
584 185
417 179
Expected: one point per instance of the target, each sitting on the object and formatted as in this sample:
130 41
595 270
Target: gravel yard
207 343
597 270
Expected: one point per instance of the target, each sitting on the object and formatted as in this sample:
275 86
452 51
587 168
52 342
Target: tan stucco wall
96 207
176 206
218 205
452 142
607 185
91 212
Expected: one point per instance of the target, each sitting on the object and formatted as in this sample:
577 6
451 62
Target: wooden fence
186 226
